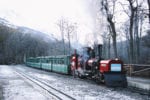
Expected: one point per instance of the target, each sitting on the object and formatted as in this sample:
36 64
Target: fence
140 70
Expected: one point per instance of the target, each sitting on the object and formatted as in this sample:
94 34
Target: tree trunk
109 47
131 38
112 25
131 31
61 26
137 39
148 2
69 42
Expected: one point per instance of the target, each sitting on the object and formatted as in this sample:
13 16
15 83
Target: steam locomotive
90 65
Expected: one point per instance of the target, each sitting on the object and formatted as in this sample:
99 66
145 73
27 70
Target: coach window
62 61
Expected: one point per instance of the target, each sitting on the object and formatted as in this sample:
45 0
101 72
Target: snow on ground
15 87
19 90
43 76
84 90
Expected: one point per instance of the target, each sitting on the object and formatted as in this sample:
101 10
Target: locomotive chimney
100 51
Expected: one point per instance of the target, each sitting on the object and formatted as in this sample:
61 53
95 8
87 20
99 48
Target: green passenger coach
60 64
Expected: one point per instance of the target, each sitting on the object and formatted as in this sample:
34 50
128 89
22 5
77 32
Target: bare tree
148 2
110 16
135 30
61 25
106 45
133 10
69 29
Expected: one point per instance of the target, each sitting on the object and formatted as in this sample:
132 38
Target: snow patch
43 76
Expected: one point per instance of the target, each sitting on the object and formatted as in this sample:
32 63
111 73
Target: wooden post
129 70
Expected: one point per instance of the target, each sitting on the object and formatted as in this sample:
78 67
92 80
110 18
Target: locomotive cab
113 72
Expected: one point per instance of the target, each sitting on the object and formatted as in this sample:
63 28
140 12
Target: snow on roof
105 61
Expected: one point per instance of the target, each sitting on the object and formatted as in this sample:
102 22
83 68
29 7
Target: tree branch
126 12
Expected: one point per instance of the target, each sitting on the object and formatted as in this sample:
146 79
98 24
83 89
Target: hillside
17 42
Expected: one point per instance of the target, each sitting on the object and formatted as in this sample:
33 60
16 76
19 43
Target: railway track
129 88
140 91
50 91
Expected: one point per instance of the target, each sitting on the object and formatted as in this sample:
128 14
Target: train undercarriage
111 79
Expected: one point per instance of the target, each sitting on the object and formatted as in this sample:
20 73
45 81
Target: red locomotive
91 65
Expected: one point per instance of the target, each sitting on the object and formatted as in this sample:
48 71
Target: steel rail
56 93
141 65
137 90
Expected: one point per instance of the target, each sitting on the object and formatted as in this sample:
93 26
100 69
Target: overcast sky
44 14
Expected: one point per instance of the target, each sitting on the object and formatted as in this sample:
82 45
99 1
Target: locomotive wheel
73 73
99 79
79 75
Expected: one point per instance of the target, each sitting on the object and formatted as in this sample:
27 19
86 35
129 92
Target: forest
16 45
128 39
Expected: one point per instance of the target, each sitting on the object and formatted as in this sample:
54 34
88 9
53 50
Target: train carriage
33 62
46 63
60 64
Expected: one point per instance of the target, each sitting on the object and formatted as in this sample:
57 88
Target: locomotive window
115 67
